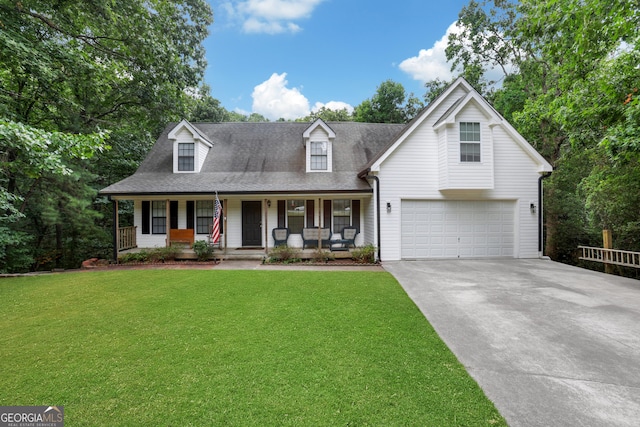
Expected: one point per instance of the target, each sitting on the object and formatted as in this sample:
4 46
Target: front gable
442 118
190 148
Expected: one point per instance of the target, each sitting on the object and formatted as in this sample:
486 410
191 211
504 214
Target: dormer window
190 148
318 140
186 156
319 155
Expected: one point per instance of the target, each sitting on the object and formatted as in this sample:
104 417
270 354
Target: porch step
240 254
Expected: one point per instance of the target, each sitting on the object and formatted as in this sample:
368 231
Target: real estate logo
31 416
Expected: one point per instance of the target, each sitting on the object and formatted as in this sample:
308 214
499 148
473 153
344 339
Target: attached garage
457 229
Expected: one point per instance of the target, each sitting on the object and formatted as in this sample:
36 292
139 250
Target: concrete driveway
550 344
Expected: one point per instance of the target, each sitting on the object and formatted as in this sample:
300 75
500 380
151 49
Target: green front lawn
196 347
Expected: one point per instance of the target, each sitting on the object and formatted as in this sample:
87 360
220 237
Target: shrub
142 256
168 253
365 254
322 256
203 250
284 254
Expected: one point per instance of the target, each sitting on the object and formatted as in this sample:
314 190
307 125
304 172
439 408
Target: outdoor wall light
532 207
268 203
388 206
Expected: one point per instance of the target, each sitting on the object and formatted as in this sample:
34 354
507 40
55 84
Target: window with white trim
158 217
319 155
186 156
295 216
341 214
470 142
204 216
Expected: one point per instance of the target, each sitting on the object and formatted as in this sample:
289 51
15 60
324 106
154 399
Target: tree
390 104
206 108
328 115
39 158
81 67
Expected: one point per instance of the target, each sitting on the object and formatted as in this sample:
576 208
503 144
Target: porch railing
127 238
611 256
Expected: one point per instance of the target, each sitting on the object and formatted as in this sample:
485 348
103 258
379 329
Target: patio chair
349 236
280 236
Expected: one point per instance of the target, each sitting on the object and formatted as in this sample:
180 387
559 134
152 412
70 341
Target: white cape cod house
456 182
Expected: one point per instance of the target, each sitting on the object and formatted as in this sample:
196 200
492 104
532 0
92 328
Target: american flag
217 214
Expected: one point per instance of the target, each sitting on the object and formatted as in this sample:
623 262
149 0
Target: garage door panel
457 229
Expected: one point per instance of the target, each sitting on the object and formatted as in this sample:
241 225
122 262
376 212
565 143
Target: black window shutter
221 216
327 213
190 214
146 217
355 213
173 213
310 213
282 213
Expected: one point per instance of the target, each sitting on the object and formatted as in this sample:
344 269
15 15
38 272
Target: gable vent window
469 142
319 155
186 156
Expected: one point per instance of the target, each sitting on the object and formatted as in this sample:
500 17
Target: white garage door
457 229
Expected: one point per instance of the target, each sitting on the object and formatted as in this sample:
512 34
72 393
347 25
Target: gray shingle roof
260 158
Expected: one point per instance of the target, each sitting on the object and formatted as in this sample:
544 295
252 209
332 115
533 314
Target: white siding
202 151
455 174
146 240
443 156
368 224
413 171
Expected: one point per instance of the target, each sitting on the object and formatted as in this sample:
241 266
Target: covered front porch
247 224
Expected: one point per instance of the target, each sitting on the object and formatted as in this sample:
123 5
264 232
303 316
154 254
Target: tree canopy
71 73
390 104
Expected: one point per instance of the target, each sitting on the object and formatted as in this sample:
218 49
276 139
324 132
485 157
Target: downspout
540 220
375 177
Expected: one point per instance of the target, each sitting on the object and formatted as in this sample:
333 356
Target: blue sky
285 58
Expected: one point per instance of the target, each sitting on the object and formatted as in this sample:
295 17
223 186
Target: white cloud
270 16
274 100
333 105
431 64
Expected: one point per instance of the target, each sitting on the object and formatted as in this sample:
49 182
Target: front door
251 223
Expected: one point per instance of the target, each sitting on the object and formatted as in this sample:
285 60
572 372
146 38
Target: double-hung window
319 155
341 214
159 217
469 142
186 156
295 216
204 216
